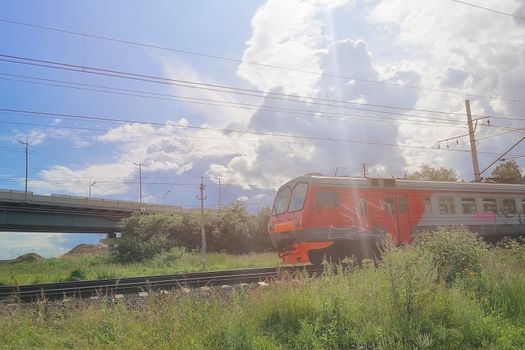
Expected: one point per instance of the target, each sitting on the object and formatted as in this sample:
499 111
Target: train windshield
288 200
281 201
298 197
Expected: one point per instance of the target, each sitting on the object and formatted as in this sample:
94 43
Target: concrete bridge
20 212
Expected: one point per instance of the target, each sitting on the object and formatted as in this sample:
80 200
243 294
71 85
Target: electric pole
474 152
140 182
91 185
220 194
26 144
364 170
202 198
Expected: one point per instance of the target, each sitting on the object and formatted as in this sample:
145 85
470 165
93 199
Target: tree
232 230
144 236
428 173
508 172
235 231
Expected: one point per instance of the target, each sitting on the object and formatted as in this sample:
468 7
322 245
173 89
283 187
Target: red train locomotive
315 216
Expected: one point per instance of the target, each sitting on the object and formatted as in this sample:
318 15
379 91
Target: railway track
110 287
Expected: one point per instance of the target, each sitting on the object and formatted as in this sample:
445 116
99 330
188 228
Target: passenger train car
315 216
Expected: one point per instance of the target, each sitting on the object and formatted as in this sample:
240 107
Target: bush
135 249
454 250
76 275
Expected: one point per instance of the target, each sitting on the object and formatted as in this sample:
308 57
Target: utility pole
220 194
364 170
474 152
91 185
202 198
26 144
164 201
139 164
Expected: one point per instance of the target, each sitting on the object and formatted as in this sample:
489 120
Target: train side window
326 199
447 206
402 204
390 208
523 206
489 205
509 206
298 197
469 205
428 206
281 201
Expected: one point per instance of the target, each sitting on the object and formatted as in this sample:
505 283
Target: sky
249 94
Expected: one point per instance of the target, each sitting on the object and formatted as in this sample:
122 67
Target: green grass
100 267
407 302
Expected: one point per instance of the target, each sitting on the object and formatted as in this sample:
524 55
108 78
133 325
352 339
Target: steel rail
111 287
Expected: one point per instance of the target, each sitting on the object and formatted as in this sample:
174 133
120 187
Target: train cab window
281 201
468 205
447 206
326 199
509 206
489 205
390 208
428 206
402 204
298 197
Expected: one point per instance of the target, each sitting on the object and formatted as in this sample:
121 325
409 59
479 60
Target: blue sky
312 49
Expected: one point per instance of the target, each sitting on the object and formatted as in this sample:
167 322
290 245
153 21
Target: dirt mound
86 250
29 257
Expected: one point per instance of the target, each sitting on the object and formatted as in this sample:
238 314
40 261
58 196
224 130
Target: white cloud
456 47
38 136
289 34
275 159
110 179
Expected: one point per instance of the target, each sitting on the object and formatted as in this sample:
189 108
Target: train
316 217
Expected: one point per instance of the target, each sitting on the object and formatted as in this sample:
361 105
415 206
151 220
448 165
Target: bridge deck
61 213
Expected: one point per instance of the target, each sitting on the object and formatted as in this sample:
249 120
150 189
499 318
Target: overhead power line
247 106
118 121
489 9
236 131
204 86
219 88
323 74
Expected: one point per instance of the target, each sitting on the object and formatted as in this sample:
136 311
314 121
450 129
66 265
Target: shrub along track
110 287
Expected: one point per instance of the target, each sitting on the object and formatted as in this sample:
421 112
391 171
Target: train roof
360 182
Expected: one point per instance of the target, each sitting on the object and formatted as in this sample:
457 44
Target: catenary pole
220 194
26 144
202 198
473 150
91 185
140 182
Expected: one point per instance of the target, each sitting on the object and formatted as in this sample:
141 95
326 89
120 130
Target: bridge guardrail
95 203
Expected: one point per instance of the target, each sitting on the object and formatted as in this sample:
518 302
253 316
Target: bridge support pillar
111 240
